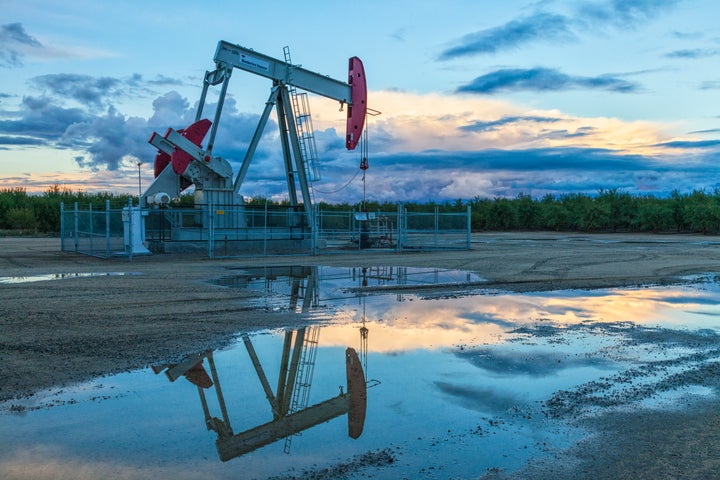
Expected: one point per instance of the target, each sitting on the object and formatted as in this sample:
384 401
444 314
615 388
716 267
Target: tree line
21 212
611 210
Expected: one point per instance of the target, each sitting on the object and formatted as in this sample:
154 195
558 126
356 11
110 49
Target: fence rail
233 231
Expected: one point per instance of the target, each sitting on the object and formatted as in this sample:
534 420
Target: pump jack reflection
288 403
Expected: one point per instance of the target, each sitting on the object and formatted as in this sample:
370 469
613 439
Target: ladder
303 380
303 123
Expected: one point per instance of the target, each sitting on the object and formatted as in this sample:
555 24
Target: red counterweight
358 109
180 160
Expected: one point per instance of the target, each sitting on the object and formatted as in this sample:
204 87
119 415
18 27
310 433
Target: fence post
469 226
211 230
62 226
130 229
315 231
107 228
265 229
92 231
405 226
398 228
77 226
436 226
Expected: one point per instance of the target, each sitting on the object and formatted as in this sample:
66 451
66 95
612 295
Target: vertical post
139 184
469 226
265 230
62 226
211 230
398 223
436 226
405 226
77 226
130 229
352 225
107 228
92 230
315 242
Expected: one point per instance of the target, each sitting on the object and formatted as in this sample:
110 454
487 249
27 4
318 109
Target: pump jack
182 161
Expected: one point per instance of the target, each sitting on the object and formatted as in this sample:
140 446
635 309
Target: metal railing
94 231
252 230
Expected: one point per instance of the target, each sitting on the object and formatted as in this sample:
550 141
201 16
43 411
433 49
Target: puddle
61 276
298 288
458 384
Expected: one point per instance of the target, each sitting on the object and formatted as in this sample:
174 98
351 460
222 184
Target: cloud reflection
50 462
479 399
490 319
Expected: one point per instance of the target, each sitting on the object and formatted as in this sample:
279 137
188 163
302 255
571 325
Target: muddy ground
60 332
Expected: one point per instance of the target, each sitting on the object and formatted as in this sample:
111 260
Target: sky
478 98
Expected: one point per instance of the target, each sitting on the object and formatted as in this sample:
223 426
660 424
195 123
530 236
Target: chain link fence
252 230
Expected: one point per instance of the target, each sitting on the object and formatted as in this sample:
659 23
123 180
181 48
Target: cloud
709 130
545 26
103 137
478 398
162 80
543 79
109 140
493 125
170 109
15 43
41 118
624 13
541 26
691 144
535 364
423 147
85 89
10 140
710 85
693 53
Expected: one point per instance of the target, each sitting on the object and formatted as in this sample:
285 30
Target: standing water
456 382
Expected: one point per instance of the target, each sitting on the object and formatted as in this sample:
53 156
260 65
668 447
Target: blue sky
478 98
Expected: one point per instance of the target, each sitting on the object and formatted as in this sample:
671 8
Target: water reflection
288 403
317 285
471 382
61 276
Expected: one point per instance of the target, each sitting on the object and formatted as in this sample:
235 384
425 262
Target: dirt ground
60 332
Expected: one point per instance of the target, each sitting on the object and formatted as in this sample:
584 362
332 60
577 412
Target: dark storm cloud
14 42
491 126
541 26
543 79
